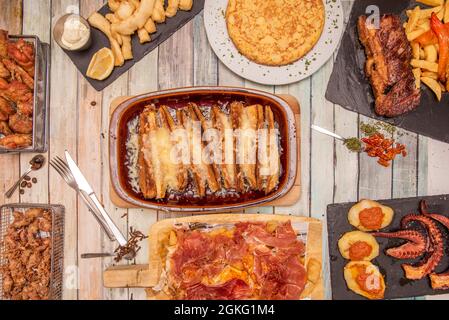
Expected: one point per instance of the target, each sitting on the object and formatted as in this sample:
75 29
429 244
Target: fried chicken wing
18 73
27 268
6 107
25 108
16 141
20 123
4 127
22 52
15 91
4 72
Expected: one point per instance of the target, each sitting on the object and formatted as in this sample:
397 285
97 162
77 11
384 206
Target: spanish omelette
275 32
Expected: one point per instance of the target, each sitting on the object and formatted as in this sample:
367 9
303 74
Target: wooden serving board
147 275
290 199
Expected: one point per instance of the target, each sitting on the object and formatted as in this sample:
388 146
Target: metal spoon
35 164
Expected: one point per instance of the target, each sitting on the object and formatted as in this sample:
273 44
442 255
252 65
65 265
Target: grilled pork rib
388 66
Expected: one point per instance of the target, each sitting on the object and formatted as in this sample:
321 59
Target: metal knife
85 187
327 132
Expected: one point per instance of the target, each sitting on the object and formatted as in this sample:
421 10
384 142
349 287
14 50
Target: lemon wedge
101 65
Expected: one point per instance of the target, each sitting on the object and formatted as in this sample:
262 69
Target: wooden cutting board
147 276
290 199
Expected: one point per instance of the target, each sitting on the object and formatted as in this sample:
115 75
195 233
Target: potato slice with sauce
369 215
365 279
358 246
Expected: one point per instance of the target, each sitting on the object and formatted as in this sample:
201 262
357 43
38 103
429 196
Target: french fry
158 14
150 26
440 13
424 25
417 75
415 34
433 85
423 64
415 50
422 54
127 50
172 8
144 36
125 10
112 18
413 20
425 13
99 22
428 74
185 5
446 12
432 3
114 5
431 53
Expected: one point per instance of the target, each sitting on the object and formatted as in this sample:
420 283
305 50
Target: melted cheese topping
157 151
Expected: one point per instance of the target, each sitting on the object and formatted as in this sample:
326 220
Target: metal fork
62 168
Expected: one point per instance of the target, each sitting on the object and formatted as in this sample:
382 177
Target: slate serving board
396 284
349 88
99 40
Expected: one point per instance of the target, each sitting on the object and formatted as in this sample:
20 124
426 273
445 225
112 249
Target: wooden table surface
330 174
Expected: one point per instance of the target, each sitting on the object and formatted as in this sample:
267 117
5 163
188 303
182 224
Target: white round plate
217 33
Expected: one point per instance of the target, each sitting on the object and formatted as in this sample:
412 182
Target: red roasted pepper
429 37
443 42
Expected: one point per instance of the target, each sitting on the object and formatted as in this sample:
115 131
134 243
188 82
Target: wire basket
57 249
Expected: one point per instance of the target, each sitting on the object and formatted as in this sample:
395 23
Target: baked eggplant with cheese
208 150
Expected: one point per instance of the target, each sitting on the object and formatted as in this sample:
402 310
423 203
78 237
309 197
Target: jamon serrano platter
229 256
406 249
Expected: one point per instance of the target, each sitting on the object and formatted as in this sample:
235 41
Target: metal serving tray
41 97
57 234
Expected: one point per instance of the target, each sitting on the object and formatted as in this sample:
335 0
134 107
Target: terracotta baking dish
204 96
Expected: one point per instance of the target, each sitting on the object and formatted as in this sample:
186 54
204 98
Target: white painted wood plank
437 179
375 181
117 89
142 80
89 161
422 165
405 182
39 25
301 91
205 61
322 158
176 57
63 135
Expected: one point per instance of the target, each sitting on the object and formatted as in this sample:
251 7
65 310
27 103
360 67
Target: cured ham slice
284 237
235 289
248 261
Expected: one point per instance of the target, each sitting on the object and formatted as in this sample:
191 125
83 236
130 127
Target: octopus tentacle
431 261
438 281
415 246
